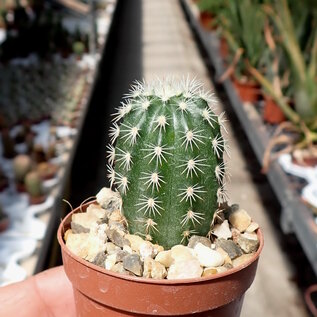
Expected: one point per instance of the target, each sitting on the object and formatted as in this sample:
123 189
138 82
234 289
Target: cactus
22 164
167 162
33 184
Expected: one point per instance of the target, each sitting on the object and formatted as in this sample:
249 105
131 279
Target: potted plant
242 25
302 122
208 11
170 176
34 187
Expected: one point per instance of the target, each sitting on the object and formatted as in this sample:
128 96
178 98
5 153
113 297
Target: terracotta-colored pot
36 200
4 224
223 48
206 19
20 187
305 161
99 292
248 91
272 113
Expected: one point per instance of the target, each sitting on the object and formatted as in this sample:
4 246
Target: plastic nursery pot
36 200
206 19
99 292
248 91
272 113
223 48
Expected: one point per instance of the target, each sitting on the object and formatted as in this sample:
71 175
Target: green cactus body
33 184
168 161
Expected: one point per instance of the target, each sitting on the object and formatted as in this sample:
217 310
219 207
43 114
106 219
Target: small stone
85 245
97 211
83 222
121 255
135 241
77 228
253 226
208 257
228 266
242 259
127 249
208 271
157 249
182 269
230 247
69 231
181 253
225 255
222 230
165 258
248 242
111 260
100 259
146 250
118 226
235 234
111 247
109 199
116 217
154 269
240 219
222 269
118 268
198 239
118 238
132 263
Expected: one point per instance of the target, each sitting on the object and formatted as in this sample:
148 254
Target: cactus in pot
22 164
167 162
33 185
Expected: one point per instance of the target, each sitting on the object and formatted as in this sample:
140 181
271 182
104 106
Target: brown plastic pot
248 91
272 113
99 292
224 48
206 20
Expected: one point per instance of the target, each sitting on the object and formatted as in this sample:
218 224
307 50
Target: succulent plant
22 164
168 160
33 184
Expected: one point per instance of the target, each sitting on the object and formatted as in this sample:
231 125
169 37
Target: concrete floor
152 38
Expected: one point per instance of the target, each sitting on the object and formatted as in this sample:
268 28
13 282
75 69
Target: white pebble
208 257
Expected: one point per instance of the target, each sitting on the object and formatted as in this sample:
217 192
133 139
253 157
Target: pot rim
149 280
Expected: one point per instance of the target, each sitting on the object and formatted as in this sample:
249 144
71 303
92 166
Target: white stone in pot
208 257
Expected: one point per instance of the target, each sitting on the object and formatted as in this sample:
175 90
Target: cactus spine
168 160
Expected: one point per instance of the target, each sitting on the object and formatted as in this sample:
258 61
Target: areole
99 292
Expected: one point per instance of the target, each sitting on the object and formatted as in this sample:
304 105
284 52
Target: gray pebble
100 259
230 247
198 239
76 228
132 263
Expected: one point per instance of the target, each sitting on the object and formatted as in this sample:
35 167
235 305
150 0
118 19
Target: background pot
103 293
248 91
206 19
272 113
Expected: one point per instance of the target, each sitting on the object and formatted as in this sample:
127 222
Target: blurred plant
303 68
242 25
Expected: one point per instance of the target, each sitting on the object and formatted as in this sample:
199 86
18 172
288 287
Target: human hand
48 293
